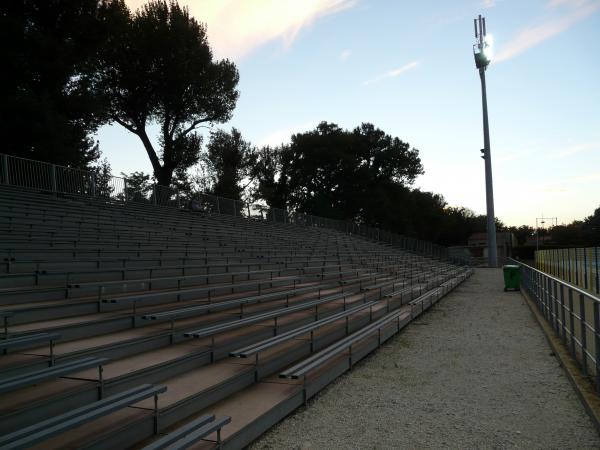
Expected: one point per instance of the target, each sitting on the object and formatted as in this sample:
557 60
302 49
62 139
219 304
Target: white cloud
237 27
572 3
345 54
589 178
530 37
503 156
488 3
393 73
574 149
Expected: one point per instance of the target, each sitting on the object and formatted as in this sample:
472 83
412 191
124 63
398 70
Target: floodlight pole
481 62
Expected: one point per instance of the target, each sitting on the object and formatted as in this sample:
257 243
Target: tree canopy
158 68
229 161
49 107
332 172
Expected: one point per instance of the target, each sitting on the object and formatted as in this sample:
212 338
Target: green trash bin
512 277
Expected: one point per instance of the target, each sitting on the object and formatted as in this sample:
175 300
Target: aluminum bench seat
266 344
39 432
29 340
187 435
365 277
50 373
305 366
168 295
65 277
205 276
301 369
263 317
5 315
385 284
215 306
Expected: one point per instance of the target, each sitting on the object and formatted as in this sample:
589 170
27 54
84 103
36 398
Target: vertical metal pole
577 283
585 269
597 343
53 178
93 184
569 261
597 272
583 330
5 169
571 324
563 320
555 318
489 188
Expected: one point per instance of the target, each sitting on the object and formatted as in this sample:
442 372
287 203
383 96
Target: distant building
533 241
505 241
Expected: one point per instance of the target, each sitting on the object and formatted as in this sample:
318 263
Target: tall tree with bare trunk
159 69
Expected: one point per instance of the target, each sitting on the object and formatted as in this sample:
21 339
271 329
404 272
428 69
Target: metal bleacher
235 322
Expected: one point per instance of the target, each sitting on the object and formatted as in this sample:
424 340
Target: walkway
474 372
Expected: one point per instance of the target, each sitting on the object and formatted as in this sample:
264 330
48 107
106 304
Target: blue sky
408 68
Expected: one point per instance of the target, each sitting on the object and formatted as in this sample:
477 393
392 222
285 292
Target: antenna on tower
480 32
480 45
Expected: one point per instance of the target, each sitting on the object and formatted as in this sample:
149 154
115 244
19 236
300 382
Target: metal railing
27 173
579 266
572 312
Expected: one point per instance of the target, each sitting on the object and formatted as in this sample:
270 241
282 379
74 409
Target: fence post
597 343
248 204
577 268
597 276
154 193
93 184
218 206
571 325
125 189
53 175
583 331
5 169
178 198
585 269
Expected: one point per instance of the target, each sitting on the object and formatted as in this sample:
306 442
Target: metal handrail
563 282
573 313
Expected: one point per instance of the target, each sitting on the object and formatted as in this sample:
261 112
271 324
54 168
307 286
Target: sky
408 68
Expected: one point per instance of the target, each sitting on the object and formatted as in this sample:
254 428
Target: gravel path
473 372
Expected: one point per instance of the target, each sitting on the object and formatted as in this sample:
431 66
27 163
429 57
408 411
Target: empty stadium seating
106 305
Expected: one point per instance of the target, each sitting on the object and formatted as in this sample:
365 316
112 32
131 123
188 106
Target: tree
363 175
139 187
579 233
270 174
230 160
49 109
102 179
334 173
522 233
159 68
